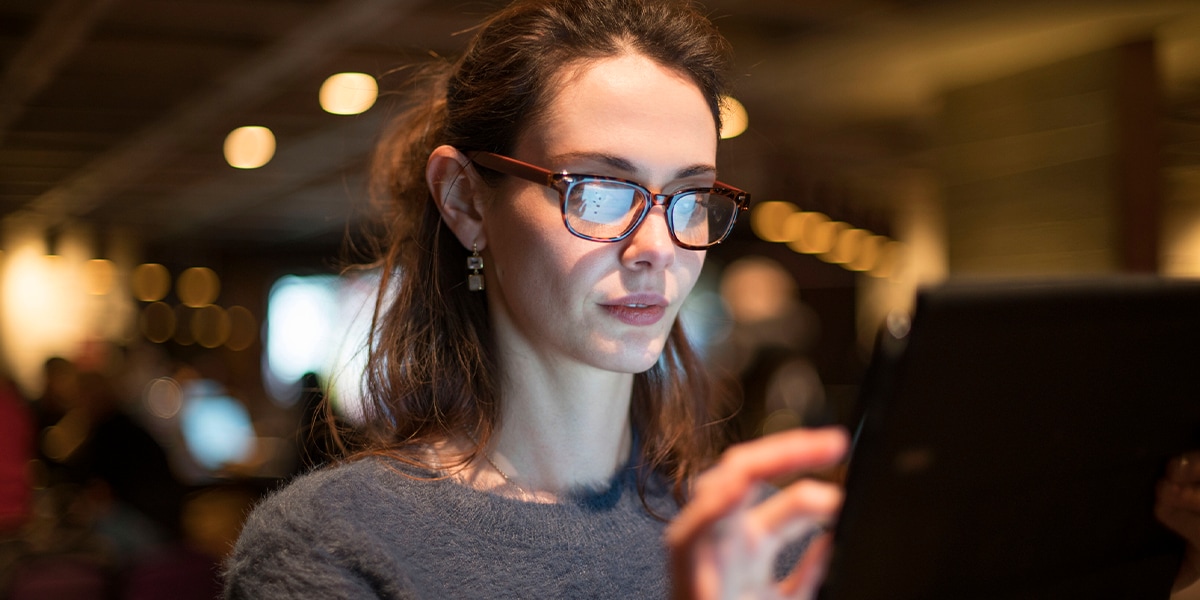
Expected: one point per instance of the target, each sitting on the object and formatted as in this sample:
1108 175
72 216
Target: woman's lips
638 309
637 314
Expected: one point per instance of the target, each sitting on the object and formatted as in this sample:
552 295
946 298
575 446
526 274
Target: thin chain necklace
524 493
509 480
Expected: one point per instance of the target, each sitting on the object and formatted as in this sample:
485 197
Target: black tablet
1011 440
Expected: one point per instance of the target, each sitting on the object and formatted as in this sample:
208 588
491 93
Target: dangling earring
475 263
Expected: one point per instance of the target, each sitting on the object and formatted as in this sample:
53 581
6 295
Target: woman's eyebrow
628 167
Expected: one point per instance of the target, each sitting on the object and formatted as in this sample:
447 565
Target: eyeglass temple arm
743 197
512 166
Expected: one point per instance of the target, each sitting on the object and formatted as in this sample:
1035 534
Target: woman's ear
459 194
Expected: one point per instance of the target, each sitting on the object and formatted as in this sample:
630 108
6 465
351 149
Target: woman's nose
650 246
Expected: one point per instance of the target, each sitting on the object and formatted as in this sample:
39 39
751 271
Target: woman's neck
563 428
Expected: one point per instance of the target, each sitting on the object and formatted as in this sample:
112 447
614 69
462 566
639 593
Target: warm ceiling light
249 147
98 276
150 282
243 330
158 322
848 244
198 287
210 326
767 220
809 234
734 119
348 93
868 254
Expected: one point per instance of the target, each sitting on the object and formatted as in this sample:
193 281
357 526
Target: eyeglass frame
562 182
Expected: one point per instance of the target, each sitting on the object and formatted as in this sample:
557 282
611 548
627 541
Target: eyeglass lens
610 209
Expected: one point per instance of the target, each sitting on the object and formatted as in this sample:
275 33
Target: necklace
488 457
509 480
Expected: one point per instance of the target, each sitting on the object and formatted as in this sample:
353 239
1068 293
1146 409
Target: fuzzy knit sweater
363 530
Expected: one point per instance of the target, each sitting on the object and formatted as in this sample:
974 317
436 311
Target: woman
536 412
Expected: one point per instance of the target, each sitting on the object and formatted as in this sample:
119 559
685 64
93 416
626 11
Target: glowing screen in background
318 324
216 428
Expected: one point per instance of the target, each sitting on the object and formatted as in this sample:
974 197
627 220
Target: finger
787 516
743 466
804 580
796 509
785 453
727 485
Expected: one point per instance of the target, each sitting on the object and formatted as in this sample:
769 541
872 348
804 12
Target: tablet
1011 441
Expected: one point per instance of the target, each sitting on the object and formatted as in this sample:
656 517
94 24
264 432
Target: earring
475 263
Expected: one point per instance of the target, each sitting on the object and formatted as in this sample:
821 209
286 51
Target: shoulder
305 539
341 497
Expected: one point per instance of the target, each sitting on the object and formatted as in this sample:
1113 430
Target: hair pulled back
431 365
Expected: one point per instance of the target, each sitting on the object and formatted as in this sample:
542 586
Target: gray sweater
362 530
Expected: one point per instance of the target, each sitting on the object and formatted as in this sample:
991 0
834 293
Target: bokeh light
734 118
216 427
150 282
348 93
157 322
210 326
767 220
163 398
198 286
847 245
99 276
249 147
243 328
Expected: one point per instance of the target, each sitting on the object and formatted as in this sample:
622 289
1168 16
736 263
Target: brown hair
431 368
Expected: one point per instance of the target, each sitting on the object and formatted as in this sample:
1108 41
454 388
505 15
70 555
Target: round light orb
198 286
734 118
243 328
249 147
348 93
847 246
210 326
158 322
150 282
163 398
767 220
805 229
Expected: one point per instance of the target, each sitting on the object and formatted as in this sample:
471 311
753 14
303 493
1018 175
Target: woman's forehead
628 106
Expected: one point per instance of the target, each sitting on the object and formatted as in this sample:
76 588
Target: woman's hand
1178 507
724 546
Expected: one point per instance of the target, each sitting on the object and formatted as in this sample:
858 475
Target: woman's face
557 298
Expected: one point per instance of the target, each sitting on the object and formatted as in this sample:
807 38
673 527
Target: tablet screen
1011 442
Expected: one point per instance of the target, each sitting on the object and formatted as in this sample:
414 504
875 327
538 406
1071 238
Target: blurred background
178 178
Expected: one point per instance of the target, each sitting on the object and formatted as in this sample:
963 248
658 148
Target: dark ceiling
113 112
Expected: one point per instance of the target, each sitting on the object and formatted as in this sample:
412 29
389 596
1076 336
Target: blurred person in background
136 497
60 393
